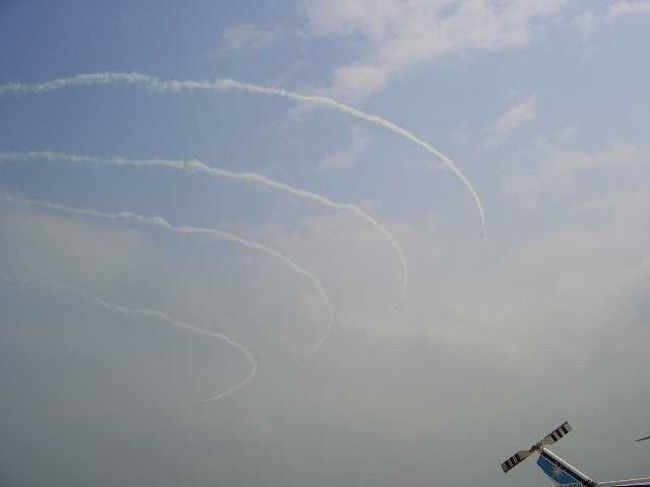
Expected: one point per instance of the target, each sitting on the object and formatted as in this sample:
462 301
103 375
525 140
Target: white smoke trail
194 165
160 222
150 313
228 84
156 84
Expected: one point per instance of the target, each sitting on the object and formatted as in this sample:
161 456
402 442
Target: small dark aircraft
561 472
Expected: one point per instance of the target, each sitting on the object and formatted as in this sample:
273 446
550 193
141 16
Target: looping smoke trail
156 84
159 222
194 165
118 308
228 84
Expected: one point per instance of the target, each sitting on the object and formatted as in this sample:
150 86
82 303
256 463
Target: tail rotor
516 459
556 434
549 439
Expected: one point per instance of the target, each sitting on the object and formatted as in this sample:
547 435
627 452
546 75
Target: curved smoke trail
150 313
194 165
228 84
156 84
160 222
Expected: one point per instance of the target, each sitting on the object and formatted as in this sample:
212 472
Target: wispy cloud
249 36
563 166
400 35
626 7
516 116
349 154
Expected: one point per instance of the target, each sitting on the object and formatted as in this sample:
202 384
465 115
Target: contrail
156 84
194 165
160 222
150 313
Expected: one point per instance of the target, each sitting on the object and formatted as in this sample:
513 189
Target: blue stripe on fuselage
559 472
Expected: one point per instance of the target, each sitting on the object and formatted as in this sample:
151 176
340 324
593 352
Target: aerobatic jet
560 471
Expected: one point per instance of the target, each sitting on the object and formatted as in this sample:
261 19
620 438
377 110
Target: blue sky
542 105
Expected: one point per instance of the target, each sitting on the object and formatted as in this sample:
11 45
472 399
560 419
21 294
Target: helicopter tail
561 472
549 439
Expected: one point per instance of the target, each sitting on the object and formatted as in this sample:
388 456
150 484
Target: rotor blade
515 460
644 438
556 434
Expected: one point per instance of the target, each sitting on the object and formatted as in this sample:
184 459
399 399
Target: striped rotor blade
557 433
644 438
515 460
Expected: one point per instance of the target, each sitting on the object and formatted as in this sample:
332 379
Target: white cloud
248 36
59 246
466 325
625 7
349 154
562 166
518 115
400 35
497 318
